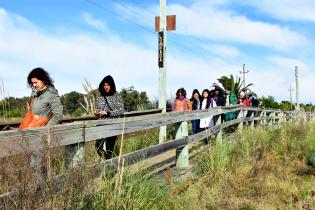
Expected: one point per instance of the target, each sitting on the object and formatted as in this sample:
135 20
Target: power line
196 41
116 14
175 39
196 44
132 10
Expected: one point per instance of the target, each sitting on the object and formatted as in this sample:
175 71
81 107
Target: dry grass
266 170
261 169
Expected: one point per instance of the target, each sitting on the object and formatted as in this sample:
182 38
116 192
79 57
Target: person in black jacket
195 103
218 97
109 105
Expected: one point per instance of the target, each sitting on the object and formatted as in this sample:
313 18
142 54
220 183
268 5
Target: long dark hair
181 90
193 93
40 74
208 99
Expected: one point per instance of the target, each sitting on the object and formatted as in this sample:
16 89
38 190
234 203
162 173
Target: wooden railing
78 133
17 141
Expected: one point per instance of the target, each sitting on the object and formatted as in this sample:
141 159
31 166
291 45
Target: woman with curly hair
45 98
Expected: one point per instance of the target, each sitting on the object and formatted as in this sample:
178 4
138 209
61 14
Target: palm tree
234 83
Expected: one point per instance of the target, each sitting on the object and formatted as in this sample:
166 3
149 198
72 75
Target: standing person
109 105
220 101
242 100
46 104
195 103
181 103
45 98
230 99
205 104
218 97
213 104
253 103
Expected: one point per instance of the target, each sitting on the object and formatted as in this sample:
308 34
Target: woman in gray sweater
45 98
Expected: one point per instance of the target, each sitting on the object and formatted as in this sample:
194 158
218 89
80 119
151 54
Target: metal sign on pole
161 49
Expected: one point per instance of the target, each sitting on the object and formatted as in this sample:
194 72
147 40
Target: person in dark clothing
195 102
109 105
218 97
220 101
253 101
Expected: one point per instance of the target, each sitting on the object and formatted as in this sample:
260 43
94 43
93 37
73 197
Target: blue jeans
195 126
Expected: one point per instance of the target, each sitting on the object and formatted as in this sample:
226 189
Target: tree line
79 104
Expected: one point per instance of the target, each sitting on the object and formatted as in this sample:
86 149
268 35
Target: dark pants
105 147
195 124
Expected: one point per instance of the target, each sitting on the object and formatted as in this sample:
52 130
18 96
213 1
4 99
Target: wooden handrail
19 140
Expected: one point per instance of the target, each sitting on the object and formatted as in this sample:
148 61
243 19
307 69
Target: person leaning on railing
45 104
109 105
45 99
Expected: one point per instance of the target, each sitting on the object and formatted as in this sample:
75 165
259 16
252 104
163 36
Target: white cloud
207 19
204 20
95 23
287 63
72 57
287 10
225 51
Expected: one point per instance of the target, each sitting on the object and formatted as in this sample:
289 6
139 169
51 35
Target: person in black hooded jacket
109 105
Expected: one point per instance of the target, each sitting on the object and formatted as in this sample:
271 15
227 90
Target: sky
78 40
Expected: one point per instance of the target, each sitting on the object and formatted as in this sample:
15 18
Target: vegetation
263 169
134 100
234 83
78 104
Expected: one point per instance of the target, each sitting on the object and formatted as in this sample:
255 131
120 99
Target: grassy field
257 169
261 168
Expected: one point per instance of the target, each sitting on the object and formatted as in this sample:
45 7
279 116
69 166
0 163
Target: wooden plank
13 142
21 140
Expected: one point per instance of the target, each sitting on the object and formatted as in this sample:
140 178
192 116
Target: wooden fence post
261 117
252 123
240 116
218 137
74 153
182 153
271 115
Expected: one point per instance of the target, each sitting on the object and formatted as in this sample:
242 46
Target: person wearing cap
109 105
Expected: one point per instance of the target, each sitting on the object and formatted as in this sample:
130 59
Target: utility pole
297 88
162 66
163 23
291 90
244 72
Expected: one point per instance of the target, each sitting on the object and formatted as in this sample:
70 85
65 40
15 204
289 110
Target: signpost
162 24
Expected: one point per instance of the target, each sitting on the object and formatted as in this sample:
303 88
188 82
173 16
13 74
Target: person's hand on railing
100 114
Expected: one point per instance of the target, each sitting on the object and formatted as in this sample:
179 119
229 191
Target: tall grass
89 98
5 102
262 169
137 192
